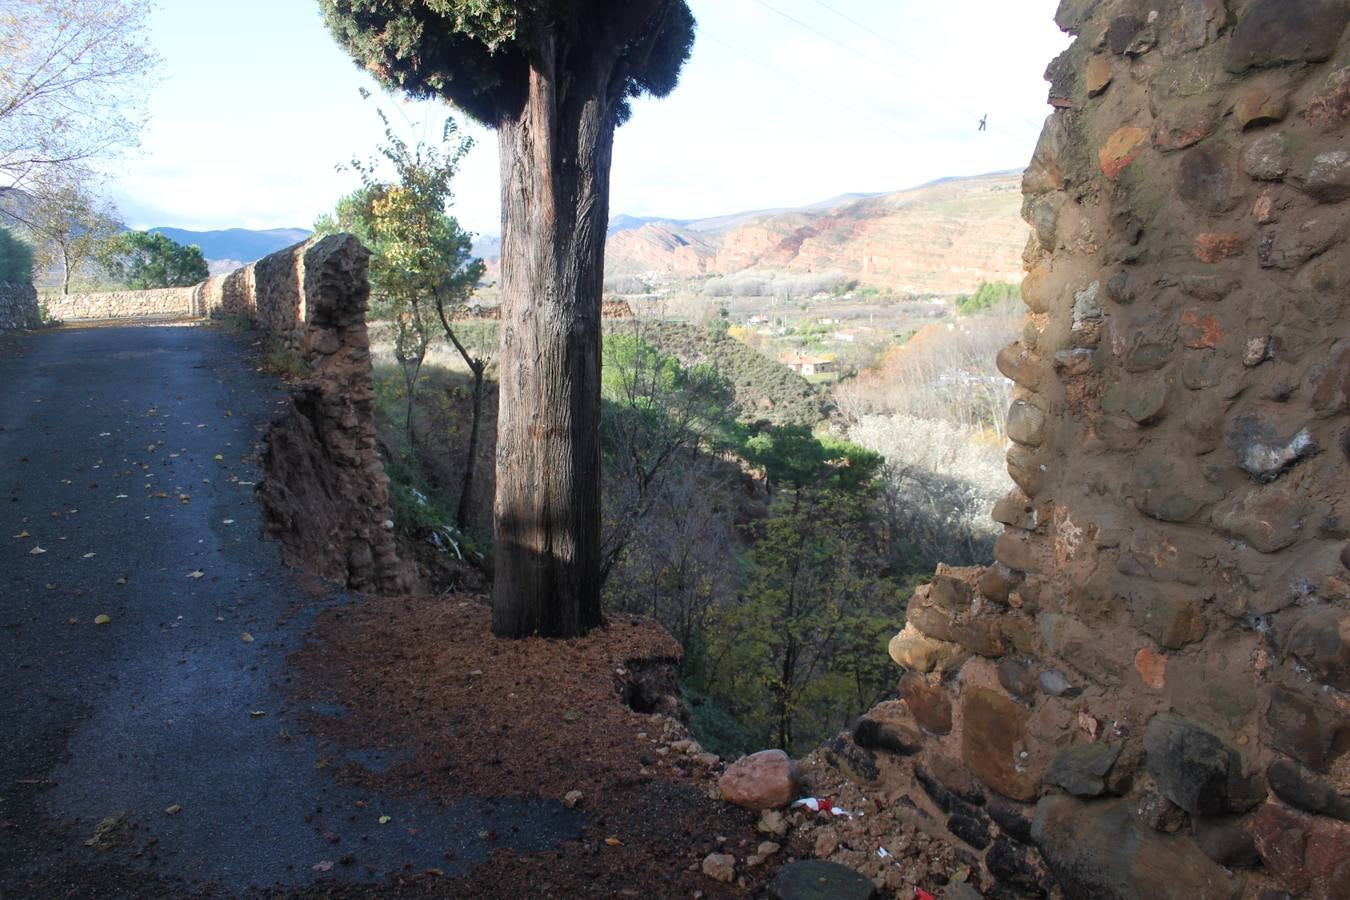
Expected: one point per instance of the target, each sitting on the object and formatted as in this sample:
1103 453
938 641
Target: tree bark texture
555 157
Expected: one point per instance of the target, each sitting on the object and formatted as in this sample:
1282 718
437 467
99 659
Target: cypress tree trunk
555 158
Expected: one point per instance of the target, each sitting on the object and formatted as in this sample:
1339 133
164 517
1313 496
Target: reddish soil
479 716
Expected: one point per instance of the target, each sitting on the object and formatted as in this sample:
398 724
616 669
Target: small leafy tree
656 410
72 80
422 270
70 227
144 260
791 652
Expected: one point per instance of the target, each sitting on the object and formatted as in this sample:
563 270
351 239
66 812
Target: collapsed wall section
326 496
1149 692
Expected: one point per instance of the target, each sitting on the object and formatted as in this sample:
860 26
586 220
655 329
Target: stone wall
326 495
166 302
18 306
1148 694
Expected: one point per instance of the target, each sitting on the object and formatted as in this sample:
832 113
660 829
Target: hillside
766 390
943 237
228 249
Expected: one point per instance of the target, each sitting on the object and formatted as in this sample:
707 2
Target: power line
703 35
883 38
1021 141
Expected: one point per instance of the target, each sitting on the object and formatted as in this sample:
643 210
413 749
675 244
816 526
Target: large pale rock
918 652
1100 850
720 867
1328 176
1098 76
765 780
1259 106
991 740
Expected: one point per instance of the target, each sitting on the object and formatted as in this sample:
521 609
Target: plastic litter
922 894
823 805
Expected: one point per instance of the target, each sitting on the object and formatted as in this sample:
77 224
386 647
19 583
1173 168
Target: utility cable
1022 141
703 35
884 39
908 136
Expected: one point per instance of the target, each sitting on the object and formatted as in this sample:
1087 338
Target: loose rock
764 780
720 867
815 879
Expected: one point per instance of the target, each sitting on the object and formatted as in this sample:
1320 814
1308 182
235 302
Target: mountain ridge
944 236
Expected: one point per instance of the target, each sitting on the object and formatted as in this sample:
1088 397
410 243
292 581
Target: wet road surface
155 753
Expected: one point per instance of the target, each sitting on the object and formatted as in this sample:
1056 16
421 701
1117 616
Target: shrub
16 258
989 297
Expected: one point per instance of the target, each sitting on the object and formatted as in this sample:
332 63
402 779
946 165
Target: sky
783 103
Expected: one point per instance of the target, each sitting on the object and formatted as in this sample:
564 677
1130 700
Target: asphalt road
155 753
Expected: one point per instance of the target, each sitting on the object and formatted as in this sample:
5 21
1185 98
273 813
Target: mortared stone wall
326 496
1148 694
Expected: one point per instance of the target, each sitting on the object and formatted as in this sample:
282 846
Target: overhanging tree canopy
554 78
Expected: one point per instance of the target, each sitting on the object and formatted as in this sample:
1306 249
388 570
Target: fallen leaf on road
246 638
21 535
89 556
107 831
219 458
197 574
256 713
173 810
36 551
228 522
385 820
613 841
102 619
323 866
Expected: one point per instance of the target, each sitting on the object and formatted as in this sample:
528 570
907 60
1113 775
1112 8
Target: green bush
715 728
16 258
988 297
